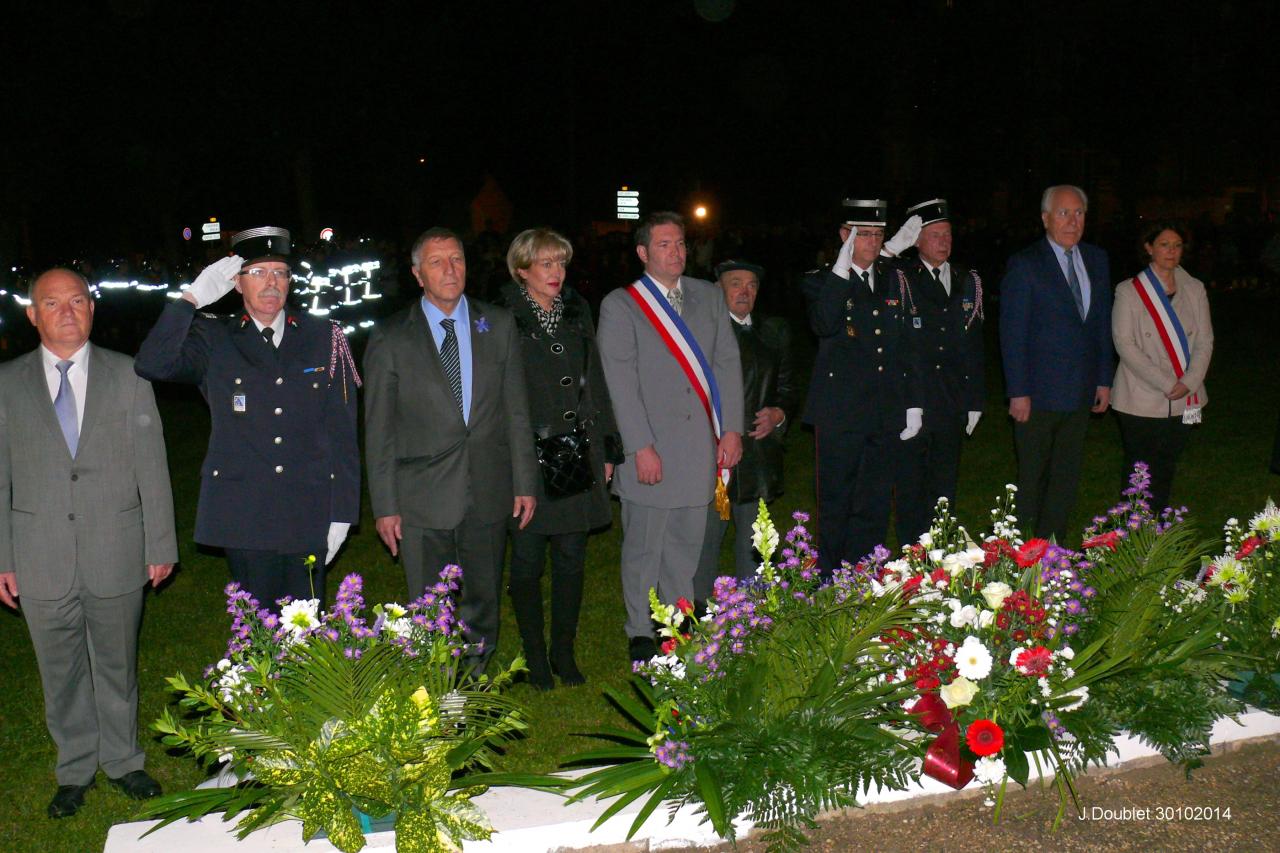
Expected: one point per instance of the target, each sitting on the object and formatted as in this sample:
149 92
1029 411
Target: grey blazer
653 401
104 515
424 463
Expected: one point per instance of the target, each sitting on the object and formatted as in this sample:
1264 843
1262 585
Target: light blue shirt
1081 273
462 330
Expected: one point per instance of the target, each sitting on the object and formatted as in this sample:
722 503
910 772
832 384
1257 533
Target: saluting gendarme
281 479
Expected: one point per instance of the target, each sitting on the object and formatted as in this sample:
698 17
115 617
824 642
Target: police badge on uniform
916 323
237 403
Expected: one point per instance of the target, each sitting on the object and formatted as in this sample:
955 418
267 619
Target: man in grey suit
673 454
448 445
87 522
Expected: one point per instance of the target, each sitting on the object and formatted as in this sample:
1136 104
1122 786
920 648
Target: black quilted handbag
565 462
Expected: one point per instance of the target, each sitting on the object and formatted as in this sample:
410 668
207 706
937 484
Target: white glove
337 535
973 422
844 260
905 238
915 420
215 281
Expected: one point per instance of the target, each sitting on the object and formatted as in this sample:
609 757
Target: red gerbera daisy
1033 661
1030 553
984 738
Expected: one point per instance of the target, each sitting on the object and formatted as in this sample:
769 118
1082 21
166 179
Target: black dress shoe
539 673
68 800
564 665
137 784
642 648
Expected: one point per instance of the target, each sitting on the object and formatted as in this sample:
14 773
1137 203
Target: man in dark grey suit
672 456
87 522
448 445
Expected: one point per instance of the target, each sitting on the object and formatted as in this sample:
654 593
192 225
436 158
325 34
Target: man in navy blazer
1055 337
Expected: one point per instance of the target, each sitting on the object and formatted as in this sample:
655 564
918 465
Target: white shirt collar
745 321
80 358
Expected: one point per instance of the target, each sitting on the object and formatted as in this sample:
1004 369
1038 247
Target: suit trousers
855 490
744 553
660 550
1159 443
928 468
87 651
1050 448
478 549
270 575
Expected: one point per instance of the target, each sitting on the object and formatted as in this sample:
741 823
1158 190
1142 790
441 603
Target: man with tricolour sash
675 378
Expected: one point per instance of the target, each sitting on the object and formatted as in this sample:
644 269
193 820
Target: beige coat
1145 374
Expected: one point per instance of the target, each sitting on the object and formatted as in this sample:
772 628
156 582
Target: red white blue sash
1168 327
683 347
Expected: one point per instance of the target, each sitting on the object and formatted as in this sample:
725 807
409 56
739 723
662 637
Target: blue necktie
65 406
451 362
1073 279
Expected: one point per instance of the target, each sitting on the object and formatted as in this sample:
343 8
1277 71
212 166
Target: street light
700 212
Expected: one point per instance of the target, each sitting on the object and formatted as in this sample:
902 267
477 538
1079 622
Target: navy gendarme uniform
945 331
864 380
283 460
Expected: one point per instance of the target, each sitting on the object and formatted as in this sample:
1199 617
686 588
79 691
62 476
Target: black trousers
855 490
1158 442
478 549
1050 449
528 560
270 575
928 468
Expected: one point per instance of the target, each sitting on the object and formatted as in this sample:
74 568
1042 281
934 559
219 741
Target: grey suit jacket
103 515
653 401
424 463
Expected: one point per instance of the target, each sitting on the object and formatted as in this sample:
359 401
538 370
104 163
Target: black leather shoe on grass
137 784
68 800
641 649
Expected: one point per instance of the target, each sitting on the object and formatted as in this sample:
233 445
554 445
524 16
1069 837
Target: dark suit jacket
424 463
283 460
102 516
945 331
1050 354
768 379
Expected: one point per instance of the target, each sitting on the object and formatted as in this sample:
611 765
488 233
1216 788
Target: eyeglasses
261 273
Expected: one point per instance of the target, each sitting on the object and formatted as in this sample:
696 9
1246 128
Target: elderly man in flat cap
280 483
769 397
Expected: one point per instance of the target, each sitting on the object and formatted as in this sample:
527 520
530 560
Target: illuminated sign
628 204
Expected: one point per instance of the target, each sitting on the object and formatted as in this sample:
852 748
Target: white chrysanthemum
1066 653
1266 522
973 661
300 616
958 693
989 771
995 593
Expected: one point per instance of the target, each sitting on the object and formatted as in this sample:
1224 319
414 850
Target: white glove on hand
915 420
905 238
973 422
215 280
844 260
337 535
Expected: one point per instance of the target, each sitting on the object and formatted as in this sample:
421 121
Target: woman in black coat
566 387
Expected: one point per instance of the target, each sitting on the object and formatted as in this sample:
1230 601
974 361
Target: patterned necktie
451 362
65 406
676 297
1073 279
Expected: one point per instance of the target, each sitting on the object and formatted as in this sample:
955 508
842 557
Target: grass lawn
1224 472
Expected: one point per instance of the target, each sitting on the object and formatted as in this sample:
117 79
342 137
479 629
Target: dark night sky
128 119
